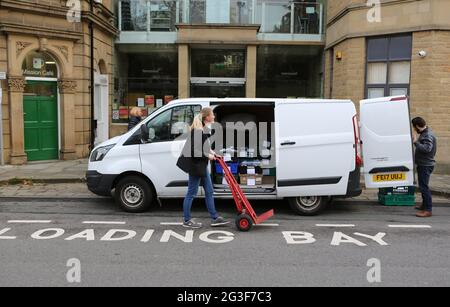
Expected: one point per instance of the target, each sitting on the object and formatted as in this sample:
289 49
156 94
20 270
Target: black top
134 121
426 147
194 157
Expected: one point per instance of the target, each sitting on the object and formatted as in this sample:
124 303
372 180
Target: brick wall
430 88
348 73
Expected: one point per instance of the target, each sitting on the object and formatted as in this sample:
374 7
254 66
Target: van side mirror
145 134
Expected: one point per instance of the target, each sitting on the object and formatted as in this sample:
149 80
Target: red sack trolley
247 216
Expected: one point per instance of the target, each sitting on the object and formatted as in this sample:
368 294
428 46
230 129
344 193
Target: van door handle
288 143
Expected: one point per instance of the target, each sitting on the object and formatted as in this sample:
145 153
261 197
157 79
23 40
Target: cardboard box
250 180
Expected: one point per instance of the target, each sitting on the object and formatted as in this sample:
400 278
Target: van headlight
100 153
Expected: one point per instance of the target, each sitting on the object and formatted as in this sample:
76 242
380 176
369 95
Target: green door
40 108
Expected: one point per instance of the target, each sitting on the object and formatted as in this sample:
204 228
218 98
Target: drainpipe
91 34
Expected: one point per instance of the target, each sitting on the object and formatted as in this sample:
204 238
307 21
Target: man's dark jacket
194 157
426 146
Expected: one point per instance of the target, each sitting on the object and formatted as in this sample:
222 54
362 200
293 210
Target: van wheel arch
127 174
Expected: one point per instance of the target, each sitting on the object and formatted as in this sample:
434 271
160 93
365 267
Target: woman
194 160
135 117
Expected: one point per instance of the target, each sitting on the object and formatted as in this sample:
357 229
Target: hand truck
246 215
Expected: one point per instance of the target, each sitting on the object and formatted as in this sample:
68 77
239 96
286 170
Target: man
425 144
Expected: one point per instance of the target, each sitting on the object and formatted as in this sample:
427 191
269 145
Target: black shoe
192 224
220 221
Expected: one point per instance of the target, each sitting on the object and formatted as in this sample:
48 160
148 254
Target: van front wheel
307 205
133 194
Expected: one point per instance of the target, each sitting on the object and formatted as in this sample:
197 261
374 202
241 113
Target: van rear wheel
133 194
308 205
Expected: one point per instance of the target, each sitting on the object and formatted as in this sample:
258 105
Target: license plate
389 177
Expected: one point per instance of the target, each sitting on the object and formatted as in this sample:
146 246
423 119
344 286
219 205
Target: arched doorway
40 107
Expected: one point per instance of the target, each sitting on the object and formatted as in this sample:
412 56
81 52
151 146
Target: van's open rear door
386 142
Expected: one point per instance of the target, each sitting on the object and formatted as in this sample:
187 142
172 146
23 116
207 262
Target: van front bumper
100 184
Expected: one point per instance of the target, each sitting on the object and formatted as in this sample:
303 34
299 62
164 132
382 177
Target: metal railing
274 16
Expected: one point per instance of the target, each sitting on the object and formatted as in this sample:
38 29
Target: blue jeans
194 183
424 174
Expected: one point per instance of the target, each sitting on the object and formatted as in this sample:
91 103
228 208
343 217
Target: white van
315 151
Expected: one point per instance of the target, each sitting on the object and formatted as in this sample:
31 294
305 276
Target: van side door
314 147
386 142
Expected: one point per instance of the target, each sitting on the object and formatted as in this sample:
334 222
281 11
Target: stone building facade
358 35
45 53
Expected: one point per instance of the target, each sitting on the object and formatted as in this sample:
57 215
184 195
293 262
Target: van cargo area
250 157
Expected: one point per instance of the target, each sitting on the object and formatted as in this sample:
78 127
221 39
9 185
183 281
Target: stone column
16 87
67 90
184 74
251 71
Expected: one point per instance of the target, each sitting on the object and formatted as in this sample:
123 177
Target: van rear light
398 98
358 160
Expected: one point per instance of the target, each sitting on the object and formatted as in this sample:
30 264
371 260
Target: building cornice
40 31
391 32
106 23
355 7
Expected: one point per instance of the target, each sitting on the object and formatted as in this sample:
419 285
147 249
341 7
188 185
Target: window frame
388 61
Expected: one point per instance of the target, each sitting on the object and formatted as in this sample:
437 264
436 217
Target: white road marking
29 222
171 224
409 226
268 225
335 225
104 223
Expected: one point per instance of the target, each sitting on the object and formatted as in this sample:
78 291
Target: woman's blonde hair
200 118
135 111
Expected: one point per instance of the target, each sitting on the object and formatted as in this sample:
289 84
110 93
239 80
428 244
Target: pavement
66 179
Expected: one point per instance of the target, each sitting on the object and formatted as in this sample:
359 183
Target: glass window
376 73
241 11
215 63
376 93
182 119
219 91
277 18
289 72
377 49
146 77
47 89
159 127
400 47
134 15
39 64
399 72
197 11
399 92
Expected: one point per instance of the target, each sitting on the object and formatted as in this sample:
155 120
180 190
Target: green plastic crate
397 200
408 190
